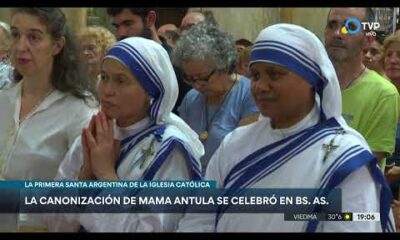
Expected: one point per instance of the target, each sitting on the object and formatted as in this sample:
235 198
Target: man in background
370 102
170 32
192 18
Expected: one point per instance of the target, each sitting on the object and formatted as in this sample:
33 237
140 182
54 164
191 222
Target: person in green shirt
370 102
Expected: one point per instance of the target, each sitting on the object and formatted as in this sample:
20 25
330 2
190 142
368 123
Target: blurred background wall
241 22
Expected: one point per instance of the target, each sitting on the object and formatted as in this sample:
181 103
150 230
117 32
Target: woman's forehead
29 20
394 46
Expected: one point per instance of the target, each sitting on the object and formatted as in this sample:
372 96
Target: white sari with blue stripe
134 163
259 156
159 147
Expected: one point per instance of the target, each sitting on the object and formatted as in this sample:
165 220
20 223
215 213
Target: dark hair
369 14
174 35
244 42
380 37
209 17
141 12
68 74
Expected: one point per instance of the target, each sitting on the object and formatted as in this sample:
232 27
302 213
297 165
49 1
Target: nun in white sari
300 141
138 89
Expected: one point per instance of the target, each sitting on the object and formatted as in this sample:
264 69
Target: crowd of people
192 103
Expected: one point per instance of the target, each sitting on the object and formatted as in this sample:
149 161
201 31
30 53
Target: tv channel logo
353 26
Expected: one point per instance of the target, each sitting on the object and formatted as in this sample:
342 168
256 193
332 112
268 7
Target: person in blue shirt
220 100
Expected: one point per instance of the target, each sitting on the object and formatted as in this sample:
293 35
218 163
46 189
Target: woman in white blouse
46 110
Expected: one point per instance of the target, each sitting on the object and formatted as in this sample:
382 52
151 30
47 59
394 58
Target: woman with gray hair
220 99
6 68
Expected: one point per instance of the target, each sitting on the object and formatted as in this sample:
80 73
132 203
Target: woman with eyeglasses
220 100
94 42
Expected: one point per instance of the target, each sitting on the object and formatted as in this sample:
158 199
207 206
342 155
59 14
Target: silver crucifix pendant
328 149
146 154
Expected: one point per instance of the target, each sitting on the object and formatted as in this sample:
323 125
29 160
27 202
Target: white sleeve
80 120
205 222
68 170
359 194
70 167
174 168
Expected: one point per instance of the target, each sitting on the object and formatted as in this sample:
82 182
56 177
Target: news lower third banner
159 197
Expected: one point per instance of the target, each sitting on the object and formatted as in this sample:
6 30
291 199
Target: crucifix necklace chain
331 146
204 134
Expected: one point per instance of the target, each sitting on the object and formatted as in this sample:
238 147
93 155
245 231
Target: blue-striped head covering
149 62
300 51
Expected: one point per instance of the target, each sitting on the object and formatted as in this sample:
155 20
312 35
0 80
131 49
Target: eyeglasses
199 80
89 47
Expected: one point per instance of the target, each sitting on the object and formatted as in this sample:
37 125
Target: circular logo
355 23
